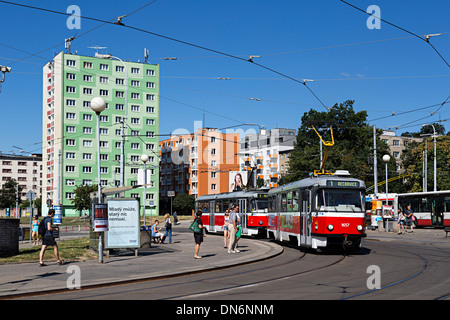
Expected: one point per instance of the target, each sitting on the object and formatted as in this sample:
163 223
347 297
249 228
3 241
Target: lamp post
386 159
98 105
434 135
144 159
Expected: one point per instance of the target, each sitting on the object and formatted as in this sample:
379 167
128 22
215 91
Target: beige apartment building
397 145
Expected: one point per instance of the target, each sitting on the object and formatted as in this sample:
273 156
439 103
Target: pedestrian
156 232
34 231
232 228
226 233
401 222
409 218
239 228
198 236
168 226
49 240
175 217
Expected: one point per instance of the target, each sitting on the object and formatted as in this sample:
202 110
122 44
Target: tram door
242 203
212 210
437 212
305 219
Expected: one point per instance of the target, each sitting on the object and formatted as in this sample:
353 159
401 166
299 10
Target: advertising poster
237 180
100 217
123 224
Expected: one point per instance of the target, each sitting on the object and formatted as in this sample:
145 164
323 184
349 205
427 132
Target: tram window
272 202
203 206
283 202
294 201
218 206
339 200
225 204
289 202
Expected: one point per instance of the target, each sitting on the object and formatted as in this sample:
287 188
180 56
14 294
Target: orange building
198 163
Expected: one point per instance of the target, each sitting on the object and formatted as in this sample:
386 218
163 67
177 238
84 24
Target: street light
98 104
386 159
144 159
434 135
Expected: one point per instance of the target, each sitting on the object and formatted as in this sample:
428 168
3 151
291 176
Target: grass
74 250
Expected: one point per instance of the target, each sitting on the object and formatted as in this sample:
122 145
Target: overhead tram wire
400 28
120 23
72 38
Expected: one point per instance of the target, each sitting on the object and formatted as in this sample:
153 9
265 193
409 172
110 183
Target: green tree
8 194
352 151
184 203
413 164
82 199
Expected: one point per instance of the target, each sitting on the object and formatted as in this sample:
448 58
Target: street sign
30 195
171 193
57 219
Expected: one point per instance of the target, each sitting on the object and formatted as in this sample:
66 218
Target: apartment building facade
397 145
268 151
26 170
131 91
198 163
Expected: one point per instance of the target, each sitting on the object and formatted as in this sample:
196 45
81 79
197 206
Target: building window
213 186
135 83
70 115
151 73
87 78
87 117
135 95
87 65
70 63
104 67
87 91
104 80
70 89
70 168
71 76
119 68
135 71
87 169
104 92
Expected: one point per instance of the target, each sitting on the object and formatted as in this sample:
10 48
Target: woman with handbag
168 226
197 227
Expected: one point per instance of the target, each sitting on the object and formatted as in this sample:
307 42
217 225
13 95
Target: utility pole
375 176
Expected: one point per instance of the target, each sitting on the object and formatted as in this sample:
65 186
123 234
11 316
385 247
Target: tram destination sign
342 184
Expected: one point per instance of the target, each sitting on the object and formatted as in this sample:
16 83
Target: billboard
237 180
123 224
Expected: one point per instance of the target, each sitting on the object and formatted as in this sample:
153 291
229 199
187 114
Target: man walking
48 239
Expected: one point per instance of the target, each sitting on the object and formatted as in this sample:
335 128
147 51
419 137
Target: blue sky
384 70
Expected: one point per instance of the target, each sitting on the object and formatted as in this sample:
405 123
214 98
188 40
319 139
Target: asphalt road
381 270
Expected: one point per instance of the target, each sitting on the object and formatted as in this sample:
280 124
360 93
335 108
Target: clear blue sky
381 76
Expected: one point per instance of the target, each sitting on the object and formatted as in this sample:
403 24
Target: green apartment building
69 152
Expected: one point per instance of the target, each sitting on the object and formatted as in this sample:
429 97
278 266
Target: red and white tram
318 212
253 209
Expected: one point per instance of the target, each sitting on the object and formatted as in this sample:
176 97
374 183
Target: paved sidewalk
161 260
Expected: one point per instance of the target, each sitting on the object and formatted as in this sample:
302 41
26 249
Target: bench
447 230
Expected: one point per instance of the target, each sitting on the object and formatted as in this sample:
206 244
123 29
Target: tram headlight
260 222
359 227
330 227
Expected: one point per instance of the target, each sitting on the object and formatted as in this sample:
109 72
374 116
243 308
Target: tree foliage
184 203
82 199
352 151
8 194
413 164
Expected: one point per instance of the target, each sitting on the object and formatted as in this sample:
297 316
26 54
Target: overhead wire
400 28
120 23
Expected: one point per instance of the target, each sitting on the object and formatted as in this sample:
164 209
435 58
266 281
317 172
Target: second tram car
253 209
318 212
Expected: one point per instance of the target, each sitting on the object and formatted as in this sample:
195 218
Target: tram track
426 263
254 284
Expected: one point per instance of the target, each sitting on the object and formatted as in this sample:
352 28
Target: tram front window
340 200
260 204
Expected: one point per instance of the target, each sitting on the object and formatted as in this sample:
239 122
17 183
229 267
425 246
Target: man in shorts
48 239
